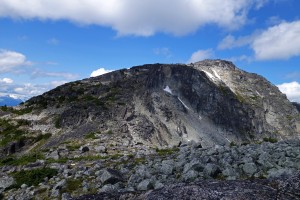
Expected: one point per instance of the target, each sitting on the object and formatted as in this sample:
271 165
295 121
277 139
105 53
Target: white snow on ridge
168 90
216 74
209 75
183 104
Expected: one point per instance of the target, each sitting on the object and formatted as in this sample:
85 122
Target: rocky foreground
250 171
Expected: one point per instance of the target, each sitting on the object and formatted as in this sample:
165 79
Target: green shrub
72 185
42 137
22 111
60 160
271 140
89 158
23 160
232 144
73 147
91 135
57 122
33 177
164 152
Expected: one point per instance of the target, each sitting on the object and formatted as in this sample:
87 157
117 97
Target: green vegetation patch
23 160
91 135
240 98
164 152
16 111
32 177
271 140
57 122
9 132
72 185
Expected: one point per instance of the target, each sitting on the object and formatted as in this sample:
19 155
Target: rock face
297 105
211 102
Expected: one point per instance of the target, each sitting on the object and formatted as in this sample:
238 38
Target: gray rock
167 168
249 168
212 170
53 155
145 185
111 176
6 181
66 196
190 175
101 149
108 188
59 185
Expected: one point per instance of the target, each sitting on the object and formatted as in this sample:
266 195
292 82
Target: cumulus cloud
99 72
137 17
201 55
10 60
292 90
6 80
278 42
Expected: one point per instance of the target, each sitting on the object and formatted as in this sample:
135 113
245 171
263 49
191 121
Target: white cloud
24 91
6 80
164 51
242 58
201 55
99 72
293 75
230 42
53 41
292 90
137 17
38 73
278 42
10 60
57 83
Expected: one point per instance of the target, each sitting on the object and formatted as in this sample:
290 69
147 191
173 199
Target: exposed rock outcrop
211 102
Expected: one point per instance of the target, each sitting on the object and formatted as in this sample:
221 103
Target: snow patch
216 74
209 75
168 90
183 104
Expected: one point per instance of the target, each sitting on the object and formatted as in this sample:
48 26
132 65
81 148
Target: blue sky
46 43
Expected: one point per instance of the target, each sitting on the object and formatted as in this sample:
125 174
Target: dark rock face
297 105
209 102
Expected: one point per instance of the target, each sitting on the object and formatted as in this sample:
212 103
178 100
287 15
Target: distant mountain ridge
9 101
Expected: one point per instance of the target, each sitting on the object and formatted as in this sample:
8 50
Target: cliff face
211 102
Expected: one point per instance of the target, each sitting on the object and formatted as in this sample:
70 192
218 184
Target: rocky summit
206 130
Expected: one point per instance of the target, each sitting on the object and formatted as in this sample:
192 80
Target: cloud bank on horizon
149 18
